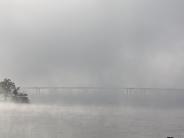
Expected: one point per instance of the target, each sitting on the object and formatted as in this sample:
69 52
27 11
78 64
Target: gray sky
126 43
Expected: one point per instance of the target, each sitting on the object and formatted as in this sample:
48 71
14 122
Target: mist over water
154 98
93 43
81 114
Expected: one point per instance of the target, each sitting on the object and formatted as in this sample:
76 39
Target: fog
92 42
84 120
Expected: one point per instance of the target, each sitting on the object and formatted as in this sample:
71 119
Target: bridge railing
127 91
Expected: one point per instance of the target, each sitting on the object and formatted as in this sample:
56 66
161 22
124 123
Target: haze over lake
83 115
92 43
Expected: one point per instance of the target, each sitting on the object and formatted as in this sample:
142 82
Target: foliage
7 85
10 90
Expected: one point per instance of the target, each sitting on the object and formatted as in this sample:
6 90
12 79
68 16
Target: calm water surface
92 121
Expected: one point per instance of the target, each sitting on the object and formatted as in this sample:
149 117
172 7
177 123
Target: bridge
128 91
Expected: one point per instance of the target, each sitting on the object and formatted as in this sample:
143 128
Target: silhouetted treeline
9 91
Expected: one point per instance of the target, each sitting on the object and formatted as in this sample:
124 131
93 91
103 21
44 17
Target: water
135 117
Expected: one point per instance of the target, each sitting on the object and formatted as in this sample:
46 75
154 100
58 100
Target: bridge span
128 91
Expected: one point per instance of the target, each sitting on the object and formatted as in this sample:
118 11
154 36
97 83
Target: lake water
86 116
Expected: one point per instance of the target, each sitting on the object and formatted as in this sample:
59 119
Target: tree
10 90
7 85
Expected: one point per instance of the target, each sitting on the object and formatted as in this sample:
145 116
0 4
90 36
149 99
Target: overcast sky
128 43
